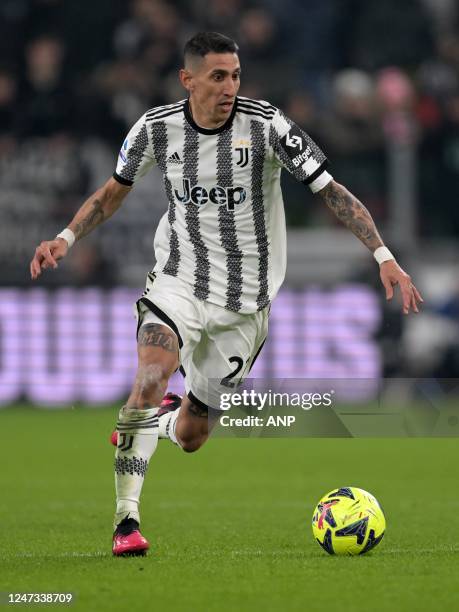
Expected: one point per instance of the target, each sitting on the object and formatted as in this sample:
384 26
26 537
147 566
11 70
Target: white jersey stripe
226 223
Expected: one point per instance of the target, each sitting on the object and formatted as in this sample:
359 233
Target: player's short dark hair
209 42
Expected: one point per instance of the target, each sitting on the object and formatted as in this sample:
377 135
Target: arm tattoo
352 213
153 334
95 216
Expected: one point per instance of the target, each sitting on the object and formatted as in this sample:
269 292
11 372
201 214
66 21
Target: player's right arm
135 160
99 207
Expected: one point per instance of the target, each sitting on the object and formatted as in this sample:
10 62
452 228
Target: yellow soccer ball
348 521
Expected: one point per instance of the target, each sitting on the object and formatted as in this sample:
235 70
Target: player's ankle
127 526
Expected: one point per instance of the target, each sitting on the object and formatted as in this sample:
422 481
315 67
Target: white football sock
167 426
137 441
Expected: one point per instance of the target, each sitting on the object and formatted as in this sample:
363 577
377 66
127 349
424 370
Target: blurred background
376 84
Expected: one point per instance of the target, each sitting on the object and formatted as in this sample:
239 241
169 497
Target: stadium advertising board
78 345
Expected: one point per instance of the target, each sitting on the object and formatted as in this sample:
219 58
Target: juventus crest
242 156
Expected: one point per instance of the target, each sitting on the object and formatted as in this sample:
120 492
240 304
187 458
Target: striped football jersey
224 231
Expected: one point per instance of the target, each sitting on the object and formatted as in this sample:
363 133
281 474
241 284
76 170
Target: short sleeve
295 151
136 156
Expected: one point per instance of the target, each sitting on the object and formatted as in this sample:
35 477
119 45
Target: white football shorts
217 346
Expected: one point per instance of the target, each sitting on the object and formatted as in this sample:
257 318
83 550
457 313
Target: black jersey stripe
159 137
134 156
161 109
257 104
165 114
190 171
246 111
227 224
258 138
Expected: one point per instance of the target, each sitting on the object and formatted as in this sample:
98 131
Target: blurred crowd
358 75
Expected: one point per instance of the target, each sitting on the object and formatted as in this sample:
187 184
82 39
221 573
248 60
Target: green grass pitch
229 525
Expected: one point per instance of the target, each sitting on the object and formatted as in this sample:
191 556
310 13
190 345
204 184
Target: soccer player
220 254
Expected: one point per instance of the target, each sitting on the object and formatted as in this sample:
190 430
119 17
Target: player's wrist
383 254
68 236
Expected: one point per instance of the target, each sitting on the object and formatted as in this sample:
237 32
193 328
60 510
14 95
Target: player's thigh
234 344
225 355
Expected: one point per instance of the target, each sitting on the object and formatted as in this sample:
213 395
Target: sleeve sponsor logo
123 151
295 146
303 157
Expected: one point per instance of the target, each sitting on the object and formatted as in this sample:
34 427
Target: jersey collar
201 130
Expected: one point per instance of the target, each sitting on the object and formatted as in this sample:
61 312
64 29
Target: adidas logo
174 159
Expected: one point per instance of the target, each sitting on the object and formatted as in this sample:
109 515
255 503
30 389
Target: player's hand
391 275
47 254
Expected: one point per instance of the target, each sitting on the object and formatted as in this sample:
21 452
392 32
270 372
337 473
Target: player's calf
193 425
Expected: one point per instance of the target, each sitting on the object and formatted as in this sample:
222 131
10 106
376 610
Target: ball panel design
348 521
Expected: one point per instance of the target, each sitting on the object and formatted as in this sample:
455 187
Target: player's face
213 83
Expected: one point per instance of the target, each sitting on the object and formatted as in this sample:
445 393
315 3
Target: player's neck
202 119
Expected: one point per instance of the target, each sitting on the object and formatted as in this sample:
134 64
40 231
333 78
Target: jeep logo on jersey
221 196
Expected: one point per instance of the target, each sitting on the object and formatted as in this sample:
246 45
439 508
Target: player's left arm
353 214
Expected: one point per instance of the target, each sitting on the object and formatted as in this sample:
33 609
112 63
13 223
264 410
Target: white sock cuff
134 420
126 508
170 428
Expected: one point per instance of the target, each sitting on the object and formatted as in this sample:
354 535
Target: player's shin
137 441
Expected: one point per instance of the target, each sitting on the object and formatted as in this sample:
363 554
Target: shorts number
227 382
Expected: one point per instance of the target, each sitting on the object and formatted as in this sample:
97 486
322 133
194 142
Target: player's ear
186 79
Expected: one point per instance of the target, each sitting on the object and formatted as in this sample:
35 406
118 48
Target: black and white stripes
134 156
159 138
224 231
227 224
137 422
256 108
190 171
161 112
